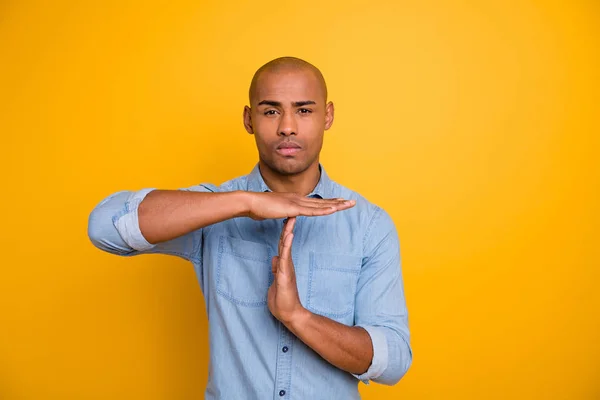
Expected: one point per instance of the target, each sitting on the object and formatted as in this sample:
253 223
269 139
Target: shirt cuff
380 354
127 222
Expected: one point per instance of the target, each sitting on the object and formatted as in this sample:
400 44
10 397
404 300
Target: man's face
288 119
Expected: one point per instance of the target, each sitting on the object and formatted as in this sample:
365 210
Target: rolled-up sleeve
128 224
380 303
104 220
113 226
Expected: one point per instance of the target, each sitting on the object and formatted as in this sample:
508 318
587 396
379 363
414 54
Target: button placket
286 339
284 363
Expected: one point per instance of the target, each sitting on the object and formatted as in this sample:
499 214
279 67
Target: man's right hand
166 214
274 205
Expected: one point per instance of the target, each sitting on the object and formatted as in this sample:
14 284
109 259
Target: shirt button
285 349
282 393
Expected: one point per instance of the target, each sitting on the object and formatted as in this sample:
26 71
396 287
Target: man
301 276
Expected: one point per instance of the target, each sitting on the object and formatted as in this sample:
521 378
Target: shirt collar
324 188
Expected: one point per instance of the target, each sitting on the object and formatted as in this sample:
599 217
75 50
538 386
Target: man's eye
304 111
270 112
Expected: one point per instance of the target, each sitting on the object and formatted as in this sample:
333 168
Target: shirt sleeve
380 303
113 226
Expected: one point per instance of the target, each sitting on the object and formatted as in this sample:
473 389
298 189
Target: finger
346 204
289 224
287 228
338 204
274 262
281 238
283 232
314 207
343 205
286 251
315 200
285 272
280 244
316 211
311 202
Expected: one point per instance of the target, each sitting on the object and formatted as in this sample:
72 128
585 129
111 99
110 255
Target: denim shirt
347 269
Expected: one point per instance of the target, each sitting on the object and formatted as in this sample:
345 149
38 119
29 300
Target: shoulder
374 221
370 212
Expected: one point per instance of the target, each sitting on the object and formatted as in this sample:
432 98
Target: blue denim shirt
347 269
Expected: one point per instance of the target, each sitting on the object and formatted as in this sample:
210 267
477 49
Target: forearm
348 348
167 214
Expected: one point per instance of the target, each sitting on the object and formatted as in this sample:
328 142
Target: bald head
285 65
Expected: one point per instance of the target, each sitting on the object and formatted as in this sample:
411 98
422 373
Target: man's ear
248 120
329 111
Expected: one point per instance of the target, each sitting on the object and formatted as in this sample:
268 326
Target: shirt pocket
332 285
243 271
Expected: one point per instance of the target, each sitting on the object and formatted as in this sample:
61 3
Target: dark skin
289 105
294 112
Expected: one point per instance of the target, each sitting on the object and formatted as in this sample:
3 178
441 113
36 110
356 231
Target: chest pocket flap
332 285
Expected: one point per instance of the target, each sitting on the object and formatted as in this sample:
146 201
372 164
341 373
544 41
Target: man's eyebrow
278 103
303 103
270 103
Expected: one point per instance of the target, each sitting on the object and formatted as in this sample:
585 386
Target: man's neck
302 183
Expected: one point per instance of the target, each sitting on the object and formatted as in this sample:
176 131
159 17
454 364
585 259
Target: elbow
393 374
399 361
96 231
102 232
99 233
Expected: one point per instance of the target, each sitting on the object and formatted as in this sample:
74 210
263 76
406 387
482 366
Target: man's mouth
288 148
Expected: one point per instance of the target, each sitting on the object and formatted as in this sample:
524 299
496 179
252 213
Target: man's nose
287 125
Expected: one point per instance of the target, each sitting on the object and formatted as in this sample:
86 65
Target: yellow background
473 123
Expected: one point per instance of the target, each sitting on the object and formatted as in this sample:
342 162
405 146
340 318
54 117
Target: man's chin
289 166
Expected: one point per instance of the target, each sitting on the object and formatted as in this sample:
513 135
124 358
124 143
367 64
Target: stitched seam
310 278
368 232
172 253
333 315
197 244
241 302
209 227
219 262
231 253
118 215
346 270
291 351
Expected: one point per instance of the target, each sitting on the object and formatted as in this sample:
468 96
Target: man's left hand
283 299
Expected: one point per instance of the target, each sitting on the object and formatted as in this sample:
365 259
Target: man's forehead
287 83
297 83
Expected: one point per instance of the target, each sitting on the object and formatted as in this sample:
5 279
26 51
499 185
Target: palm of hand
282 298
